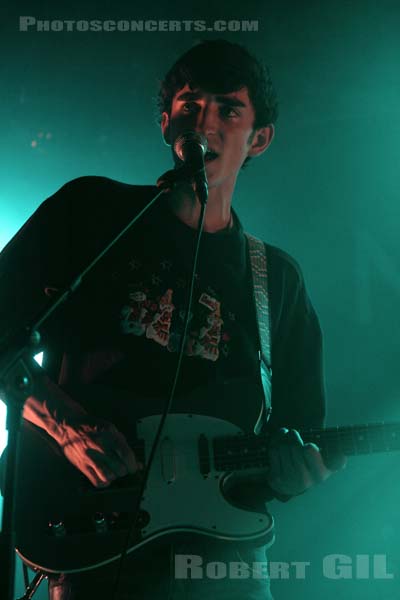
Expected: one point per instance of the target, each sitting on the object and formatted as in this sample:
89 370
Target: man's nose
208 121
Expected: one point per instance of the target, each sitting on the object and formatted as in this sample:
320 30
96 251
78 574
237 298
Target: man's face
226 120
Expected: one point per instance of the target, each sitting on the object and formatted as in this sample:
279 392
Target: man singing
122 329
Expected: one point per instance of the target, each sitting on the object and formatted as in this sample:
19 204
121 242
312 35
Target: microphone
190 147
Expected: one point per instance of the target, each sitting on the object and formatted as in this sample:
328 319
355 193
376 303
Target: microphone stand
17 382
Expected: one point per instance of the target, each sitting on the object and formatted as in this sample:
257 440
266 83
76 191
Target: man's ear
261 140
165 128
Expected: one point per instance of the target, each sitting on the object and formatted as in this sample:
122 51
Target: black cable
133 521
25 574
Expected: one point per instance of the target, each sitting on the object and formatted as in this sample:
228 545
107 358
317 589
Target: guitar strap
258 261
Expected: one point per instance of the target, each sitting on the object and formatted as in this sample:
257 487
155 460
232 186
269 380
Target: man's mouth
210 155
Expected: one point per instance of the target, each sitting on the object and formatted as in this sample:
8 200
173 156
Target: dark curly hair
220 66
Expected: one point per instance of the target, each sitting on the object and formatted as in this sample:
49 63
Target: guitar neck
356 439
251 451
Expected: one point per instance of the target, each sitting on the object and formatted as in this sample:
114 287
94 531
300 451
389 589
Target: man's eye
189 107
228 111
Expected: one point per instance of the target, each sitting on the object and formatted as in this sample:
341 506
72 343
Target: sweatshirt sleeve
32 264
298 389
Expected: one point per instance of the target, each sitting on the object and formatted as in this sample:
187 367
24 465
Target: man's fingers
99 476
91 474
275 464
281 455
334 460
288 473
120 456
315 464
106 467
294 466
278 437
100 452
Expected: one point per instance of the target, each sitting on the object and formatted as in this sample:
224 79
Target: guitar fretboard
251 451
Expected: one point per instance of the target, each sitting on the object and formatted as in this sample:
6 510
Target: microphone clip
185 173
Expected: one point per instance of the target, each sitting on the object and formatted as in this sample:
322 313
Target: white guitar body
179 498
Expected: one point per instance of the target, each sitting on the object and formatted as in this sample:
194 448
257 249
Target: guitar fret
361 439
377 439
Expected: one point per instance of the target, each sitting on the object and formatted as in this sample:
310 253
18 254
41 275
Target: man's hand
98 450
92 445
294 465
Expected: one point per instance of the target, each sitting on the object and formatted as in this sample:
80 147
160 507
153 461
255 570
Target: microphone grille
189 137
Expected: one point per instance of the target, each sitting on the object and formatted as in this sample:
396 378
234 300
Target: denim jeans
177 571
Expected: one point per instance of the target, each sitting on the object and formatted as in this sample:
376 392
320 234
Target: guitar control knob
100 523
57 528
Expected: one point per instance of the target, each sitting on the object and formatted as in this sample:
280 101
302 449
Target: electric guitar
64 524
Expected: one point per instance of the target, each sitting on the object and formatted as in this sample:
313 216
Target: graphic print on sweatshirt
155 308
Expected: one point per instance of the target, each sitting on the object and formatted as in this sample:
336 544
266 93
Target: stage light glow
39 358
3 431
3 412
